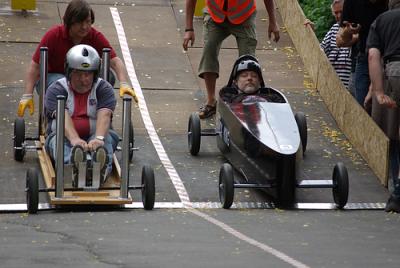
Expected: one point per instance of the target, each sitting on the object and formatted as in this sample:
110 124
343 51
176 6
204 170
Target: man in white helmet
77 28
90 103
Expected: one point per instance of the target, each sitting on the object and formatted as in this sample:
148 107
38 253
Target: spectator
90 103
357 17
222 19
384 66
76 29
340 57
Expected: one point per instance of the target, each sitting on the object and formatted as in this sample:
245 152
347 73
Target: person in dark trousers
357 18
384 66
223 18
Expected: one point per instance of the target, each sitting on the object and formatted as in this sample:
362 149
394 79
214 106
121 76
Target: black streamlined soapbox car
62 187
265 142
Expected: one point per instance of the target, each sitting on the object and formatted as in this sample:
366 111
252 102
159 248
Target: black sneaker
393 205
206 110
78 155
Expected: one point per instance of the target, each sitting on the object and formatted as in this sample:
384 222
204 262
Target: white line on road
21 207
173 174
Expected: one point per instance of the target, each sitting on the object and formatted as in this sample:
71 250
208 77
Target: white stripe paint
21 207
173 174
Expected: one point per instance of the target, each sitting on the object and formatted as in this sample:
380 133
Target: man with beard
246 82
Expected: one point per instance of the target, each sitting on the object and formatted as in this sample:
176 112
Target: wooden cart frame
114 191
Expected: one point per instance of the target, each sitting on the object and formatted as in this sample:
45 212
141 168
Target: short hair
336 2
77 11
394 4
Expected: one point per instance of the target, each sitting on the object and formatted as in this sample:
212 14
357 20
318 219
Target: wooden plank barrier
354 122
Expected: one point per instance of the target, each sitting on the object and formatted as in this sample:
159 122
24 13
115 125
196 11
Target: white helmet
84 58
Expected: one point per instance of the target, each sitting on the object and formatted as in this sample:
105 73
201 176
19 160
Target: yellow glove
26 102
124 88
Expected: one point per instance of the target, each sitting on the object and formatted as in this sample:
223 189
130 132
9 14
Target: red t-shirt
80 117
58 43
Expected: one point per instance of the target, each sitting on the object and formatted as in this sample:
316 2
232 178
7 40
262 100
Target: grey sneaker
100 156
77 155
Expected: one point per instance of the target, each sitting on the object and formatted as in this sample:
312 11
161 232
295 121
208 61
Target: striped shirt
340 57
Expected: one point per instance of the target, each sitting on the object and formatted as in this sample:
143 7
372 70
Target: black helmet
244 63
84 58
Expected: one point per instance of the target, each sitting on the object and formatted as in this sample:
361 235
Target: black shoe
393 205
78 155
206 110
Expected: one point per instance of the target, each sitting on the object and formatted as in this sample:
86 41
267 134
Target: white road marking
21 207
173 174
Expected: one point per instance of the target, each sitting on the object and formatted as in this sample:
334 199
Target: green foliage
319 12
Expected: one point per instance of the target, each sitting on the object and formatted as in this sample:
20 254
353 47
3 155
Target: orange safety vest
237 10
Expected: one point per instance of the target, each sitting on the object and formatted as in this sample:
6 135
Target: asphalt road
179 237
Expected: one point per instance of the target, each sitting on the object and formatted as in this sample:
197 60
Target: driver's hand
94 144
26 102
124 88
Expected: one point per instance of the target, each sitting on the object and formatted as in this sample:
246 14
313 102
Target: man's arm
119 68
189 32
71 134
102 126
347 36
376 75
32 75
124 88
273 26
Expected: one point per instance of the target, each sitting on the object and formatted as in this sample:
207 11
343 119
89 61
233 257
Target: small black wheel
19 139
287 182
194 134
148 190
340 181
131 141
302 125
226 185
32 190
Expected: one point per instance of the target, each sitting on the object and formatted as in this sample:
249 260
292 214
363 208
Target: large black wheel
287 182
32 190
19 139
194 134
148 190
302 125
226 189
340 180
131 141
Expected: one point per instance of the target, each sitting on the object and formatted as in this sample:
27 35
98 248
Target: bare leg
210 80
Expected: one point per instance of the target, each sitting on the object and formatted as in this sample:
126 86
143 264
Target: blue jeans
362 80
110 144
